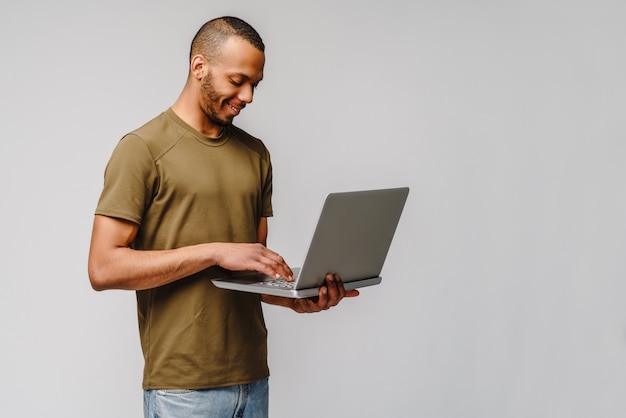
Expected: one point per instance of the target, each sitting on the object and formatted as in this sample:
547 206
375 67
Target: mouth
235 109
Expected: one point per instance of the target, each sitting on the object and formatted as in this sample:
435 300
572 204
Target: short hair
212 35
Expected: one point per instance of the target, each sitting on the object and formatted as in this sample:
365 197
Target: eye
236 83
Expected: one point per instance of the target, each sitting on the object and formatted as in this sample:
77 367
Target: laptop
352 238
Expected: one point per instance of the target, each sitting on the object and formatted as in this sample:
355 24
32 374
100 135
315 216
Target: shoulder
158 135
249 141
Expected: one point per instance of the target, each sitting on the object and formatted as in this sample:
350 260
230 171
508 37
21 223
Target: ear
198 67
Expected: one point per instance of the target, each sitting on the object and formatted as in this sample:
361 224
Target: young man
186 197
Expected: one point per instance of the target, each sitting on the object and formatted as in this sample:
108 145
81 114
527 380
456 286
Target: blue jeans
241 401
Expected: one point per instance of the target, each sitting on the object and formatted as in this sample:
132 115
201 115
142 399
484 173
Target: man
186 197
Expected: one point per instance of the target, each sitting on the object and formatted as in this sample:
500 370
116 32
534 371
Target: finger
285 271
309 305
322 299
336 291
267 268
277 264
306 305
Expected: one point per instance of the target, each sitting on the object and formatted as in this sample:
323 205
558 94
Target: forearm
277 300
129 269
113 264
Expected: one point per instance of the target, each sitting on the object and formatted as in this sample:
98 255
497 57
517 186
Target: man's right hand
255 257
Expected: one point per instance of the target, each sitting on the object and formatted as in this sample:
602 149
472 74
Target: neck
188 109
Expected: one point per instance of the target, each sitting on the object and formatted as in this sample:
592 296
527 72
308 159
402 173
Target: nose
246 94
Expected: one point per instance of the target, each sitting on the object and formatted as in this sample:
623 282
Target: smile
235 109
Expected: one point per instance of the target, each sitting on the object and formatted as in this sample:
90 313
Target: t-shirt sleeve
130 181
266 208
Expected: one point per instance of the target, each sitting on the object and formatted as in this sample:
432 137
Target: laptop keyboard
279 283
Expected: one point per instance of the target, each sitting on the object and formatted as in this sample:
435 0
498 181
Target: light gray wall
503 293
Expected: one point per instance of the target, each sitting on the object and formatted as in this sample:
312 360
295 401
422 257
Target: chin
217 120
222 122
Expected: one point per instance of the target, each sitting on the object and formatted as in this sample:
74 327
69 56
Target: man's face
229 84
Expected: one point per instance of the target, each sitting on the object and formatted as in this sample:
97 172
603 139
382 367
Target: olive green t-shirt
183 188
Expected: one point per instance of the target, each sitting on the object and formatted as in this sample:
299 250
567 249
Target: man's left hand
329 295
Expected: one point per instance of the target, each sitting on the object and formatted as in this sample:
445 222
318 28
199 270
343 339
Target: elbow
98 287
96 282
98 278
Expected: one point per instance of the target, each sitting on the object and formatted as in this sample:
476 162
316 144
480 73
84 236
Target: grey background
503 292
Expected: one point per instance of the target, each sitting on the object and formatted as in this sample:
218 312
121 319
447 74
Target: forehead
239 56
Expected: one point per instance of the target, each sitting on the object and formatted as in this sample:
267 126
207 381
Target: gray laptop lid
353 235
352 238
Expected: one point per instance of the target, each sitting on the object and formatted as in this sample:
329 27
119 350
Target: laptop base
263 284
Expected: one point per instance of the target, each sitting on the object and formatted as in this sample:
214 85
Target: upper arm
108 235
130 181
261 235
